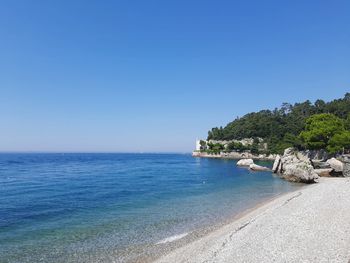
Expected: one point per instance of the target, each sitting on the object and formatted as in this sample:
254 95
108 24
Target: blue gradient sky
154 75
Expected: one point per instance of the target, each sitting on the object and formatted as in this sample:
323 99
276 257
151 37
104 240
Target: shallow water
115 207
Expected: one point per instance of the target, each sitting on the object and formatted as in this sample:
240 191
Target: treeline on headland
306 125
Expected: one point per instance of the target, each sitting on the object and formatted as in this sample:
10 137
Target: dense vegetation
216 148
319 125
326 131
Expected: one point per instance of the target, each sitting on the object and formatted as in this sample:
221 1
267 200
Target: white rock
300 172
346 170
346 165
289 151
245 162
276 164
295 167
255 167
336 165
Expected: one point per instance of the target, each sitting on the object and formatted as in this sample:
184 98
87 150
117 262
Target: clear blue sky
153 75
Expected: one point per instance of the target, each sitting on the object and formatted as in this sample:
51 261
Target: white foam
172 238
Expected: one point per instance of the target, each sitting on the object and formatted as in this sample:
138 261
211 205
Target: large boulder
276 163
336 165
346 170
300 172
245 162
295 166
255 167
346 165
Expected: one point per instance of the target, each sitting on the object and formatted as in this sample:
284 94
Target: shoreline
181 240
234 156
292 227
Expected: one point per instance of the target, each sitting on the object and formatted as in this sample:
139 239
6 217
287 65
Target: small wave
172 238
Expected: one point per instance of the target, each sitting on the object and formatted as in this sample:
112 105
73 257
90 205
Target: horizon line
95 152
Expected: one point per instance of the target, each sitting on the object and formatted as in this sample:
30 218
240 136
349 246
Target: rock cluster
294 166
299 166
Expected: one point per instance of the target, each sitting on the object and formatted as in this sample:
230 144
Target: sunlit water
116 207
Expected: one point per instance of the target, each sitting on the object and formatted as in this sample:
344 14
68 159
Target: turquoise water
116 207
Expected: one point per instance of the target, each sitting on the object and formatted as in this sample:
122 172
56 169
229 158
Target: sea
119 207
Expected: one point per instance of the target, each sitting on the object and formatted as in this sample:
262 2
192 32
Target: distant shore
309 225
235 155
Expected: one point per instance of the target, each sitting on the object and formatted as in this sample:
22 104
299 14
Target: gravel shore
309 225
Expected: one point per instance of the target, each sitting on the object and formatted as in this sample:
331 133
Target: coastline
166 246
157 251
235 156
311 224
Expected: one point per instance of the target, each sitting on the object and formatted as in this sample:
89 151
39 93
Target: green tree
254 148
236 146
319 129
339 142
231 146
347 122
215 147
240 147
292 141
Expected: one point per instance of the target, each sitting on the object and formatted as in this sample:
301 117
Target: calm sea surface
117 207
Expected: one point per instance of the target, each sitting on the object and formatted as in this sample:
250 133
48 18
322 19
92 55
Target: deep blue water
111 207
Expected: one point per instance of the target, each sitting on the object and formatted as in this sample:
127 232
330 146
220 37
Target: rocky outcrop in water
252 166
245 162
255 167
295 166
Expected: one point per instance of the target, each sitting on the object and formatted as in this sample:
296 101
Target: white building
198 145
